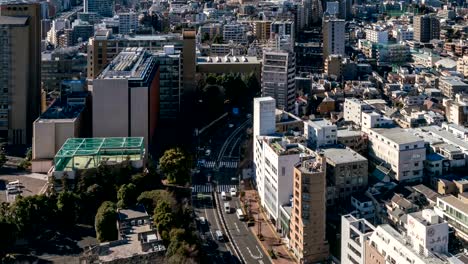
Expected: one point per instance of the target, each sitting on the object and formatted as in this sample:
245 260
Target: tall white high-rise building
278 77
128 22
264 116
333 36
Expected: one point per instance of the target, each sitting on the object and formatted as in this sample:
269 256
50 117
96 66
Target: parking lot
29 184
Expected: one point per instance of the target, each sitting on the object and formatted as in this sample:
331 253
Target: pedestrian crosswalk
202 189
228 164
226 188
210 164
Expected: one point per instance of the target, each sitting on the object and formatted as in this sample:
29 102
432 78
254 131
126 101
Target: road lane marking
260 261
237 228
259 251
252 255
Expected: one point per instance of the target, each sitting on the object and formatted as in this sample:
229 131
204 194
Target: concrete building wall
139 119
264 118
110 117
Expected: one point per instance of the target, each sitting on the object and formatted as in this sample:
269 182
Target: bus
240 214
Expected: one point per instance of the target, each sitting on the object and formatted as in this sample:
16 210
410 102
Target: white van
240 214
219 235
227 208
223 196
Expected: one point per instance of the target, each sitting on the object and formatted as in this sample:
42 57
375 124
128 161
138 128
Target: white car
202 220
208 152
233 192
231 125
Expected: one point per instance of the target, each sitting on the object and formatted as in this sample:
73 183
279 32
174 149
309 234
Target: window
416 164
283 171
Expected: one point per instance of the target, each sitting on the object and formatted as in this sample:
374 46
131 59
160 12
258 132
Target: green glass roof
90 151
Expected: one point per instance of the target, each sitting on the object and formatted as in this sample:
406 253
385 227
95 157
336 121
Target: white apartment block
455 211
320 132
278 78
403 34
235 33
333 36
128 23
462 65
264 122
275 170
375 120
452 85
377 35
264 118
456 110
353 109
401 151
354 235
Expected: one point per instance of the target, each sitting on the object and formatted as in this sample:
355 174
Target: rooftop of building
320 122
443 135
453 81
62 110
456 203
391 232
342 133
427 192
131 63
310 165
132 213
13 20
228 60
343 155
286 146
85 153
424 216
362 198
397 135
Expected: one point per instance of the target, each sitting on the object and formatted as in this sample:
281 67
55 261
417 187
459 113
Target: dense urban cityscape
234 131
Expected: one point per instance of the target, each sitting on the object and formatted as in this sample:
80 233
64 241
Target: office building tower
308 217
333 8
313 11
278 73
377 35
20 70
264 116
170 81
345 9
189 64
333 36
104 8
126 97
128 22
426 28
104 46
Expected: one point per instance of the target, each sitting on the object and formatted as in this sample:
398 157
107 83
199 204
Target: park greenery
222 91
94 197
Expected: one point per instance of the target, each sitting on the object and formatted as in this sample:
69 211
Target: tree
163 217
218 39
151 199
33 214
68 206
176 165
3 158
252 84
126 195
105 223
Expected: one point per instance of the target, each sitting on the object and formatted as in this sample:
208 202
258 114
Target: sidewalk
272 240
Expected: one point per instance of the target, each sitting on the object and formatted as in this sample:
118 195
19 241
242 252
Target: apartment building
374 119
347 172
354 236
334 66
278 78
377 35
333 36
264 123
234 32
456 110
399 150
426 28
126 97
353 109
451 85
262 29
211 30
320 133
308 218
283 28
279 155
462 65
455 211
